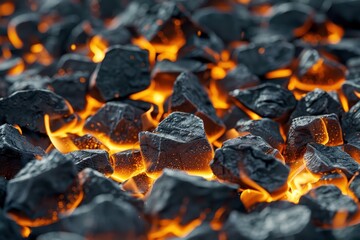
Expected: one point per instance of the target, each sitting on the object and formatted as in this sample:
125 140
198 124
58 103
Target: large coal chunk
266 100
98 160
272 223
179 142
127 163
176 194
124 70
245 165
351 123
15 151
9 229
33 105
324 159
323 129
325 202
42 190
189 96
266 128
265 56
118 121
138 185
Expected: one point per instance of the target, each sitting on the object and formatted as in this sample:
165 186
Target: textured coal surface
127 163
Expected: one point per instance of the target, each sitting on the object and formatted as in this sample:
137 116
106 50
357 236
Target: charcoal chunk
98 160
124 70
351 90
344 12
9 229
60 236
118 121
33 105
265 56
70 63
87 141
266 100
138 185
325 201
42 190
189 96
241 163
179 142
127 163
194 195
30 83
266 128
351 123
15 151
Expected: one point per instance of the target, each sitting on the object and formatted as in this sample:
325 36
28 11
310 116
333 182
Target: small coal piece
9 229
240 163
139 184
127 163
33 105
87 141
189 96
351 123
118 121
176 194
15 151
266 128
267 100
351 90
265 55
42 190
178 142
325 202
98 160
325 159
71 62
125 70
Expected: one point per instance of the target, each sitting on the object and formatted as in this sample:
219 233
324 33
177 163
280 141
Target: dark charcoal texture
96 159
232 115
266 100
87 141
272 223
124 70
351 123
43 189
15 151
175 193
178 142
266 55
344 12
71 63
118 121
238 163
266 128
32 105
189 96
30 83
324 159
325 202
3 189
351 90
9 229
348 233
323 129
60 236
127 163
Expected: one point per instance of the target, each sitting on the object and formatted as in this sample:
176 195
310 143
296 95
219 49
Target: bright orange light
218 73
281 73
7 8
14 37
98 48
19 68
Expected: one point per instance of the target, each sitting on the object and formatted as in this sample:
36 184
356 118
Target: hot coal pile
179 119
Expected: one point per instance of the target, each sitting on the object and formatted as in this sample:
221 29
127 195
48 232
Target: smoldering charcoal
177 119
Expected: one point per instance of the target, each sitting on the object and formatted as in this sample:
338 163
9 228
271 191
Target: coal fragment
194 196
265 56
178 142
87 141
71 62
138 185
237 163
15 151
33 105
266 100
189 96
350 123
351 90
344 12
9 229
325 202
124 70
118 121
30 83
60 236
325 159
42 190
98 160
266 128
127 163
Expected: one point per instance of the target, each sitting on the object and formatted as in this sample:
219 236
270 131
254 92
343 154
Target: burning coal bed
179 119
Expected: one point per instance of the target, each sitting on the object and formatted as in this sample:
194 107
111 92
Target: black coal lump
325 159
178 142
33 105
351 90
350 123
95 159
265 56
237 163
266 128
118 121
189 96
325 202
267 100
60 236
43 189
71 62
127 163
344 12
125 70
271 223
176 194
15 151
9 229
